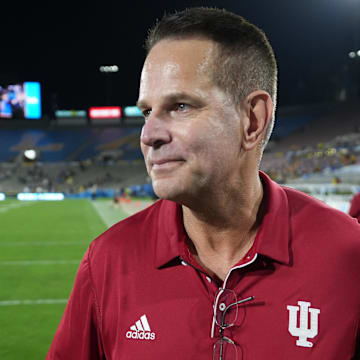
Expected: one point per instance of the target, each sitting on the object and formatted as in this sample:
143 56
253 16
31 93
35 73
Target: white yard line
110 214
38 262
98 208
44 243
7 207
33 302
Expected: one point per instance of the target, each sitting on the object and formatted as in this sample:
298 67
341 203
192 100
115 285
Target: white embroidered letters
301 329
140 330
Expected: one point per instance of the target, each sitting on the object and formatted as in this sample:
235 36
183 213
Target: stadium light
30 154
352 54
109 69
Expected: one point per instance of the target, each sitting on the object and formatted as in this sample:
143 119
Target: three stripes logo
141 330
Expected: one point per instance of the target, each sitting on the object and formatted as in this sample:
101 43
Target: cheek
215 141
205 149
144 150
142 147
216 155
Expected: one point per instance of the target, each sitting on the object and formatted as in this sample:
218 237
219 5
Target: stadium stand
70 178
78 144
326 149
71 160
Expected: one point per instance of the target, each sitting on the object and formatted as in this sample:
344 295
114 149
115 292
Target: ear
258 108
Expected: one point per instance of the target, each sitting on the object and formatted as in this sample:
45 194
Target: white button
184 263
222 307
208 279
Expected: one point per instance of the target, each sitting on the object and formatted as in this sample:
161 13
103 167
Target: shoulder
137 233
124 245
134 226
310 209
321 221
301 202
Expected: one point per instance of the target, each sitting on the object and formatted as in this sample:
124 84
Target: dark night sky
63 47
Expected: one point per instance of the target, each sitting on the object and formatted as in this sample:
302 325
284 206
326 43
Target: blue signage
32 100
132 111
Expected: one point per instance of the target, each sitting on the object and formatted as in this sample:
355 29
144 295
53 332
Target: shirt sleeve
78 335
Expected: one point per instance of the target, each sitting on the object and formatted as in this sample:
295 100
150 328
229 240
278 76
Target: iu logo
303 331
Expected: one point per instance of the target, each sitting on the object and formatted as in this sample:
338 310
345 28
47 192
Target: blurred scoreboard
21 101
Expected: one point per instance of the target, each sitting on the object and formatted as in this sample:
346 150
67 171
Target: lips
164 161
165 164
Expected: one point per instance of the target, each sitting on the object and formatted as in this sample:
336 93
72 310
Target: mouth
165 164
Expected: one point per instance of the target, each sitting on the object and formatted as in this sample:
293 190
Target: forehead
188 59
174 47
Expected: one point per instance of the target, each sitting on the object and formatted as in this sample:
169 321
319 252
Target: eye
182 106
146 113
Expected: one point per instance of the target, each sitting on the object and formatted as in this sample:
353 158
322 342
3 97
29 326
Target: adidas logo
141 330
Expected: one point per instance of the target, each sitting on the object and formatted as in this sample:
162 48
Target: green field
41 245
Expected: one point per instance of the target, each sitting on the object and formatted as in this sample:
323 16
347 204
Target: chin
165 194
168 190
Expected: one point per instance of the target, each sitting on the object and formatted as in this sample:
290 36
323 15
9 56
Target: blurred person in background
227 264
354 210
5 104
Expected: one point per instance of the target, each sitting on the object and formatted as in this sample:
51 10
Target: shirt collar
170 233
272 239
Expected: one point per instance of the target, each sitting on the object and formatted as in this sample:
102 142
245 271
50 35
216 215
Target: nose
154 132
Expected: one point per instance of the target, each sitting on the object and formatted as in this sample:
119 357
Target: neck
223 231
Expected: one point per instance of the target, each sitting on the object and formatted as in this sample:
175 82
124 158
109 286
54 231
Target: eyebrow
171 98
141 104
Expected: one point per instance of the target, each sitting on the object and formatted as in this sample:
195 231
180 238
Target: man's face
191 139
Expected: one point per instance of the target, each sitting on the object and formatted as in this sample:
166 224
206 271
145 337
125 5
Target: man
354 209
228 265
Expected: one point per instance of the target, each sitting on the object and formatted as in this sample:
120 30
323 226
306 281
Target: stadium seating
320 151
76 144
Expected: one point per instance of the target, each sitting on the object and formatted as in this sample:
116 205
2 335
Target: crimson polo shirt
140 295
